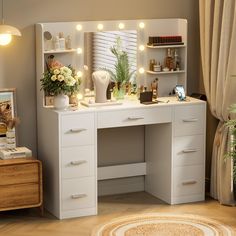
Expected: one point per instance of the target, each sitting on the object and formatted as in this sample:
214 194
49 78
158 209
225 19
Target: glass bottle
169 61
176 61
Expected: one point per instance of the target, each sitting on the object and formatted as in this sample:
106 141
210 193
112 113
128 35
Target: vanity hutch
174 140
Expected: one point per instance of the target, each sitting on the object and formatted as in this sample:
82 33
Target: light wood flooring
28 222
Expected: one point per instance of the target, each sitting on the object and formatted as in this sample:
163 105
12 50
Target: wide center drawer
77 129
189 120
132 117
78 193
78 162
19 173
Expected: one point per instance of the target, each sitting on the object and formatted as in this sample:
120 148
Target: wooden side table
21 184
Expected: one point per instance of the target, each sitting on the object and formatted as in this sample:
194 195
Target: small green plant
231 124
122 73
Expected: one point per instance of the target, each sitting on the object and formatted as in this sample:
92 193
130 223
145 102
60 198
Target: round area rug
163 225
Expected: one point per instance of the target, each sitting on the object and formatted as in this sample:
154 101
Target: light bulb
79 73
100 26
79 96
79 50
141 70
79 27
141 47
5 39
141 25
121 26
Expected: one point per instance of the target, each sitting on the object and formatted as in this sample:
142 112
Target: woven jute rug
162 225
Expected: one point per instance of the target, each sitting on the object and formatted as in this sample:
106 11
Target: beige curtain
218 54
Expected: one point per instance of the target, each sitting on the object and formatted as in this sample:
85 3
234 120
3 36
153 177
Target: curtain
218 55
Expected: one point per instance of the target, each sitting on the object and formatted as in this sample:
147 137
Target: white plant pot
61 102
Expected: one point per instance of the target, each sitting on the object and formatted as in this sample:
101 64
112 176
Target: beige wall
19 58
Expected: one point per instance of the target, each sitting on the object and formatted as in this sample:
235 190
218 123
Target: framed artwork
7 111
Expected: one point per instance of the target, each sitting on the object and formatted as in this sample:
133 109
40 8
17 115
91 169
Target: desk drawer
189 150
188 180
20 195
189 120
78 162
132 117
19 173
77 129
78 193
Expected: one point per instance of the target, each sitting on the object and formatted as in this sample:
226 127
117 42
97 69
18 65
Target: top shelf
167 46
60 51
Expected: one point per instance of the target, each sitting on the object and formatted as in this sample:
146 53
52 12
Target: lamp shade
7 29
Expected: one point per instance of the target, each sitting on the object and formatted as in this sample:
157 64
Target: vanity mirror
86 56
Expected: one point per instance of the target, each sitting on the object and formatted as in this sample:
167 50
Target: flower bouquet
59 79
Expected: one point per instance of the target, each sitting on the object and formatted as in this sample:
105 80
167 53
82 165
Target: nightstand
20 184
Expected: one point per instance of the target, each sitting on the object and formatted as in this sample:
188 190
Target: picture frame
179 90
8 108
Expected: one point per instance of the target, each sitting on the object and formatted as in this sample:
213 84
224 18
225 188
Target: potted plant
122 74
59 81
231 124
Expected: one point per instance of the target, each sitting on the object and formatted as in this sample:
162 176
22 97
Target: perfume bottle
154 87
176 61
62 41
68 42
56 45
169 61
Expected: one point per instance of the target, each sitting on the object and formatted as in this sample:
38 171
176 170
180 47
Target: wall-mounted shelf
166 46
165 72
60 51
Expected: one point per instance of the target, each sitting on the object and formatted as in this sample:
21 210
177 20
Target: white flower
70 81
54 78
60 78
76 78
65 71
56 72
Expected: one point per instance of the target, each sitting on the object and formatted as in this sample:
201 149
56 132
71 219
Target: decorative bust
101 80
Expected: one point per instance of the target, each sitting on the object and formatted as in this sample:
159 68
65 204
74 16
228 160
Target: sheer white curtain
218 54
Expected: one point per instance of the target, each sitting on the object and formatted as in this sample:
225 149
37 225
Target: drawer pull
76 163
190 120
135 118
77 130
78 195
189 150
189 182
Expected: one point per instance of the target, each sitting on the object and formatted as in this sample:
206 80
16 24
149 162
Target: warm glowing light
141 47
79 50
79 27
100 26
86 67
79 73
141 25
79 96
121 26
5 39
141 70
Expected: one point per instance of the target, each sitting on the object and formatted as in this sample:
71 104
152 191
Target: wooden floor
27 222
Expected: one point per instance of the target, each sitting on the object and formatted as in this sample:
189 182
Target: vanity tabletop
130 103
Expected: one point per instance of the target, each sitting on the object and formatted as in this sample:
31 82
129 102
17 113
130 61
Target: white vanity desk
174 166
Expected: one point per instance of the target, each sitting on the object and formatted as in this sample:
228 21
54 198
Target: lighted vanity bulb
100 27
141 70
79 96
141 25
86 67
121 26
5 39
79 73
79 27
79 50
141 47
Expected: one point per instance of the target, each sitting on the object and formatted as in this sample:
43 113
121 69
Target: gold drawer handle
135 118
76 163
189 182
190 120
189 150
77 130
78 195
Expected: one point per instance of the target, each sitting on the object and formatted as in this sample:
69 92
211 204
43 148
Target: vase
61 102
10 138
119 91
